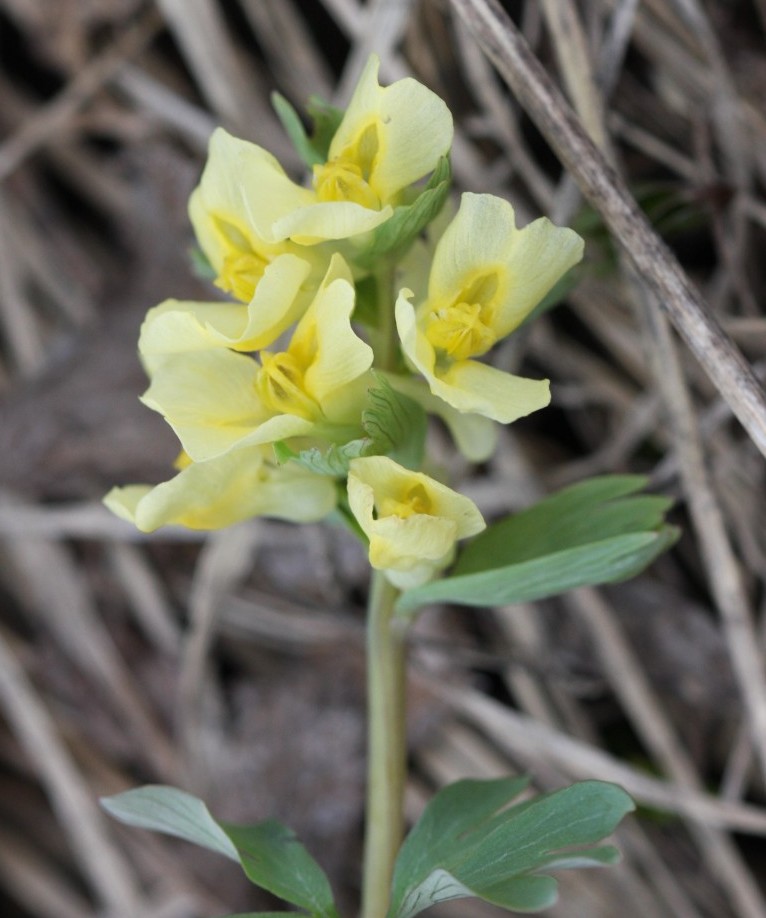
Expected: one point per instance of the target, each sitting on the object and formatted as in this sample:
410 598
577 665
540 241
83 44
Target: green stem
386 296
387 747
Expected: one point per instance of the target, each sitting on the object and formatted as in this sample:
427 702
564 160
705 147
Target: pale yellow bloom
224 491
217 400
486 277
281 297
220 211
412 521
389 138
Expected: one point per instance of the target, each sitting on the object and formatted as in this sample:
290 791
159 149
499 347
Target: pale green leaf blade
275 860
609 561
172 812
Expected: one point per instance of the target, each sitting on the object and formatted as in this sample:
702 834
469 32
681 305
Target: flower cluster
270 392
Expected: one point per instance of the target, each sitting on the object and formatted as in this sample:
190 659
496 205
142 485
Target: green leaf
268 852
173 812
614 559
395 235
275 860
395 423
591 511
326 119
294 129
470 843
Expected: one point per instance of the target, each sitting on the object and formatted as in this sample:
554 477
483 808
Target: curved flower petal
247 187
467 385
208 398
326 220
411 520
413 128
416 347
475 387
224 491
341 355
483 241
279 299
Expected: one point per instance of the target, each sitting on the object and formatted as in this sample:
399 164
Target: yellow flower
217 400
389 138
224 491
412 521
279 300
220 212
486 277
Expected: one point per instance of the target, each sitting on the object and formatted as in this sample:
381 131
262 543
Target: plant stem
386 358
386 748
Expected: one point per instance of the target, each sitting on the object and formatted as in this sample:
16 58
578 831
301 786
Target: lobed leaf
275 860
471 843
268 852
591 511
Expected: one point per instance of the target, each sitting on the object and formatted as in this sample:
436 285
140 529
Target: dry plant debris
176 657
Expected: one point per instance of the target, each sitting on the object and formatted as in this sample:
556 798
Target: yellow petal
341 356
468 386
475 387
327 220
208 398
483 239
279 299
413 130
247 185
411 520
224 491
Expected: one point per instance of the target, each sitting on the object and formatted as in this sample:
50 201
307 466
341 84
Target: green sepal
268 852
201 264
470 843
325 118
393 237
395 426
590 533
333 461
